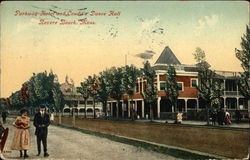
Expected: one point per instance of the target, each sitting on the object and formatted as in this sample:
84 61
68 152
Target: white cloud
213 20
208 21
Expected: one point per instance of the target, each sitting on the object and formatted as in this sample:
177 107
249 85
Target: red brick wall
188 90
162 77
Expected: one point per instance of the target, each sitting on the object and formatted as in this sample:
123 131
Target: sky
114 30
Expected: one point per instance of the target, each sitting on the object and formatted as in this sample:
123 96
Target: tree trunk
132 110
117 109
175 110
207 111
60 117
94 108
74 118
105 108
85 113
151 112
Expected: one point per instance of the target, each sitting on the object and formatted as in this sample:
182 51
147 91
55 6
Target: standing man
4 116
41 122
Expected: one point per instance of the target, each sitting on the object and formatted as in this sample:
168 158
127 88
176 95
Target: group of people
21 139
224 117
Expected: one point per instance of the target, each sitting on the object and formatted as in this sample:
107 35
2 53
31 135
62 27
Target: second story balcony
232 93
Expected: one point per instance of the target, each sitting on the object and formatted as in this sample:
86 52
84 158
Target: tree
150 94
172 89
244 56
15 100
85 93
93 88
131 73
209 87
58 97
117 89
104 92
24 93
39 89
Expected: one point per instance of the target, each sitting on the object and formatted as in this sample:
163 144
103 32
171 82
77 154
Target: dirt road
66 144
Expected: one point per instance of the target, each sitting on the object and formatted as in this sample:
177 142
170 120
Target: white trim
178 73
191 82
187 98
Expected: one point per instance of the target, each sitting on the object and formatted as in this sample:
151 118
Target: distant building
75 100
187 79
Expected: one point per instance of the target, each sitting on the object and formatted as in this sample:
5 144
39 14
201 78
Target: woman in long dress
21 140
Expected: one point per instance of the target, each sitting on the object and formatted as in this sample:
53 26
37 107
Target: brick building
188 101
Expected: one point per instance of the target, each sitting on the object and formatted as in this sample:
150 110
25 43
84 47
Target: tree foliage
104 91
85 93
150 94
244 56
209 86
131 73
172 87
41 88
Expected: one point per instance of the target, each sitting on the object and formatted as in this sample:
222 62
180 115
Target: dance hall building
188 101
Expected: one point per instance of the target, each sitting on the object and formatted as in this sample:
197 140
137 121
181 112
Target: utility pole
125 59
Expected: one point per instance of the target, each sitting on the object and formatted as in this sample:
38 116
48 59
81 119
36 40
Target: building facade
74 101
188 100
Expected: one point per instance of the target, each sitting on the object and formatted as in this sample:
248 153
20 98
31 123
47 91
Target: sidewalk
199 123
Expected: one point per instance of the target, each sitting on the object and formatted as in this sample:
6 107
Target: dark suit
41 123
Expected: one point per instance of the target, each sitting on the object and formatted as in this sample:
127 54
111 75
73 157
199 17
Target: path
66 144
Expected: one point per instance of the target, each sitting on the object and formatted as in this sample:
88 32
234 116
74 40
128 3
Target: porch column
185 105
158 106
225 102
142 108
197 107
238 102
158 82
111 108
237 90
123 105
117 109
142 85
136 107
129 108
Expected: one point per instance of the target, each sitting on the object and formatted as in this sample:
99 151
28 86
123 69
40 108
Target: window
137 88
162 86
89 102
194 83
180 86
81 102
82 110
89 110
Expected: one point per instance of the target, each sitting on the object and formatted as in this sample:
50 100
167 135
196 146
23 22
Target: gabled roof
167 57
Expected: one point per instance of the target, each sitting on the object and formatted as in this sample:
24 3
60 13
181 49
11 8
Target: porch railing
232 93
